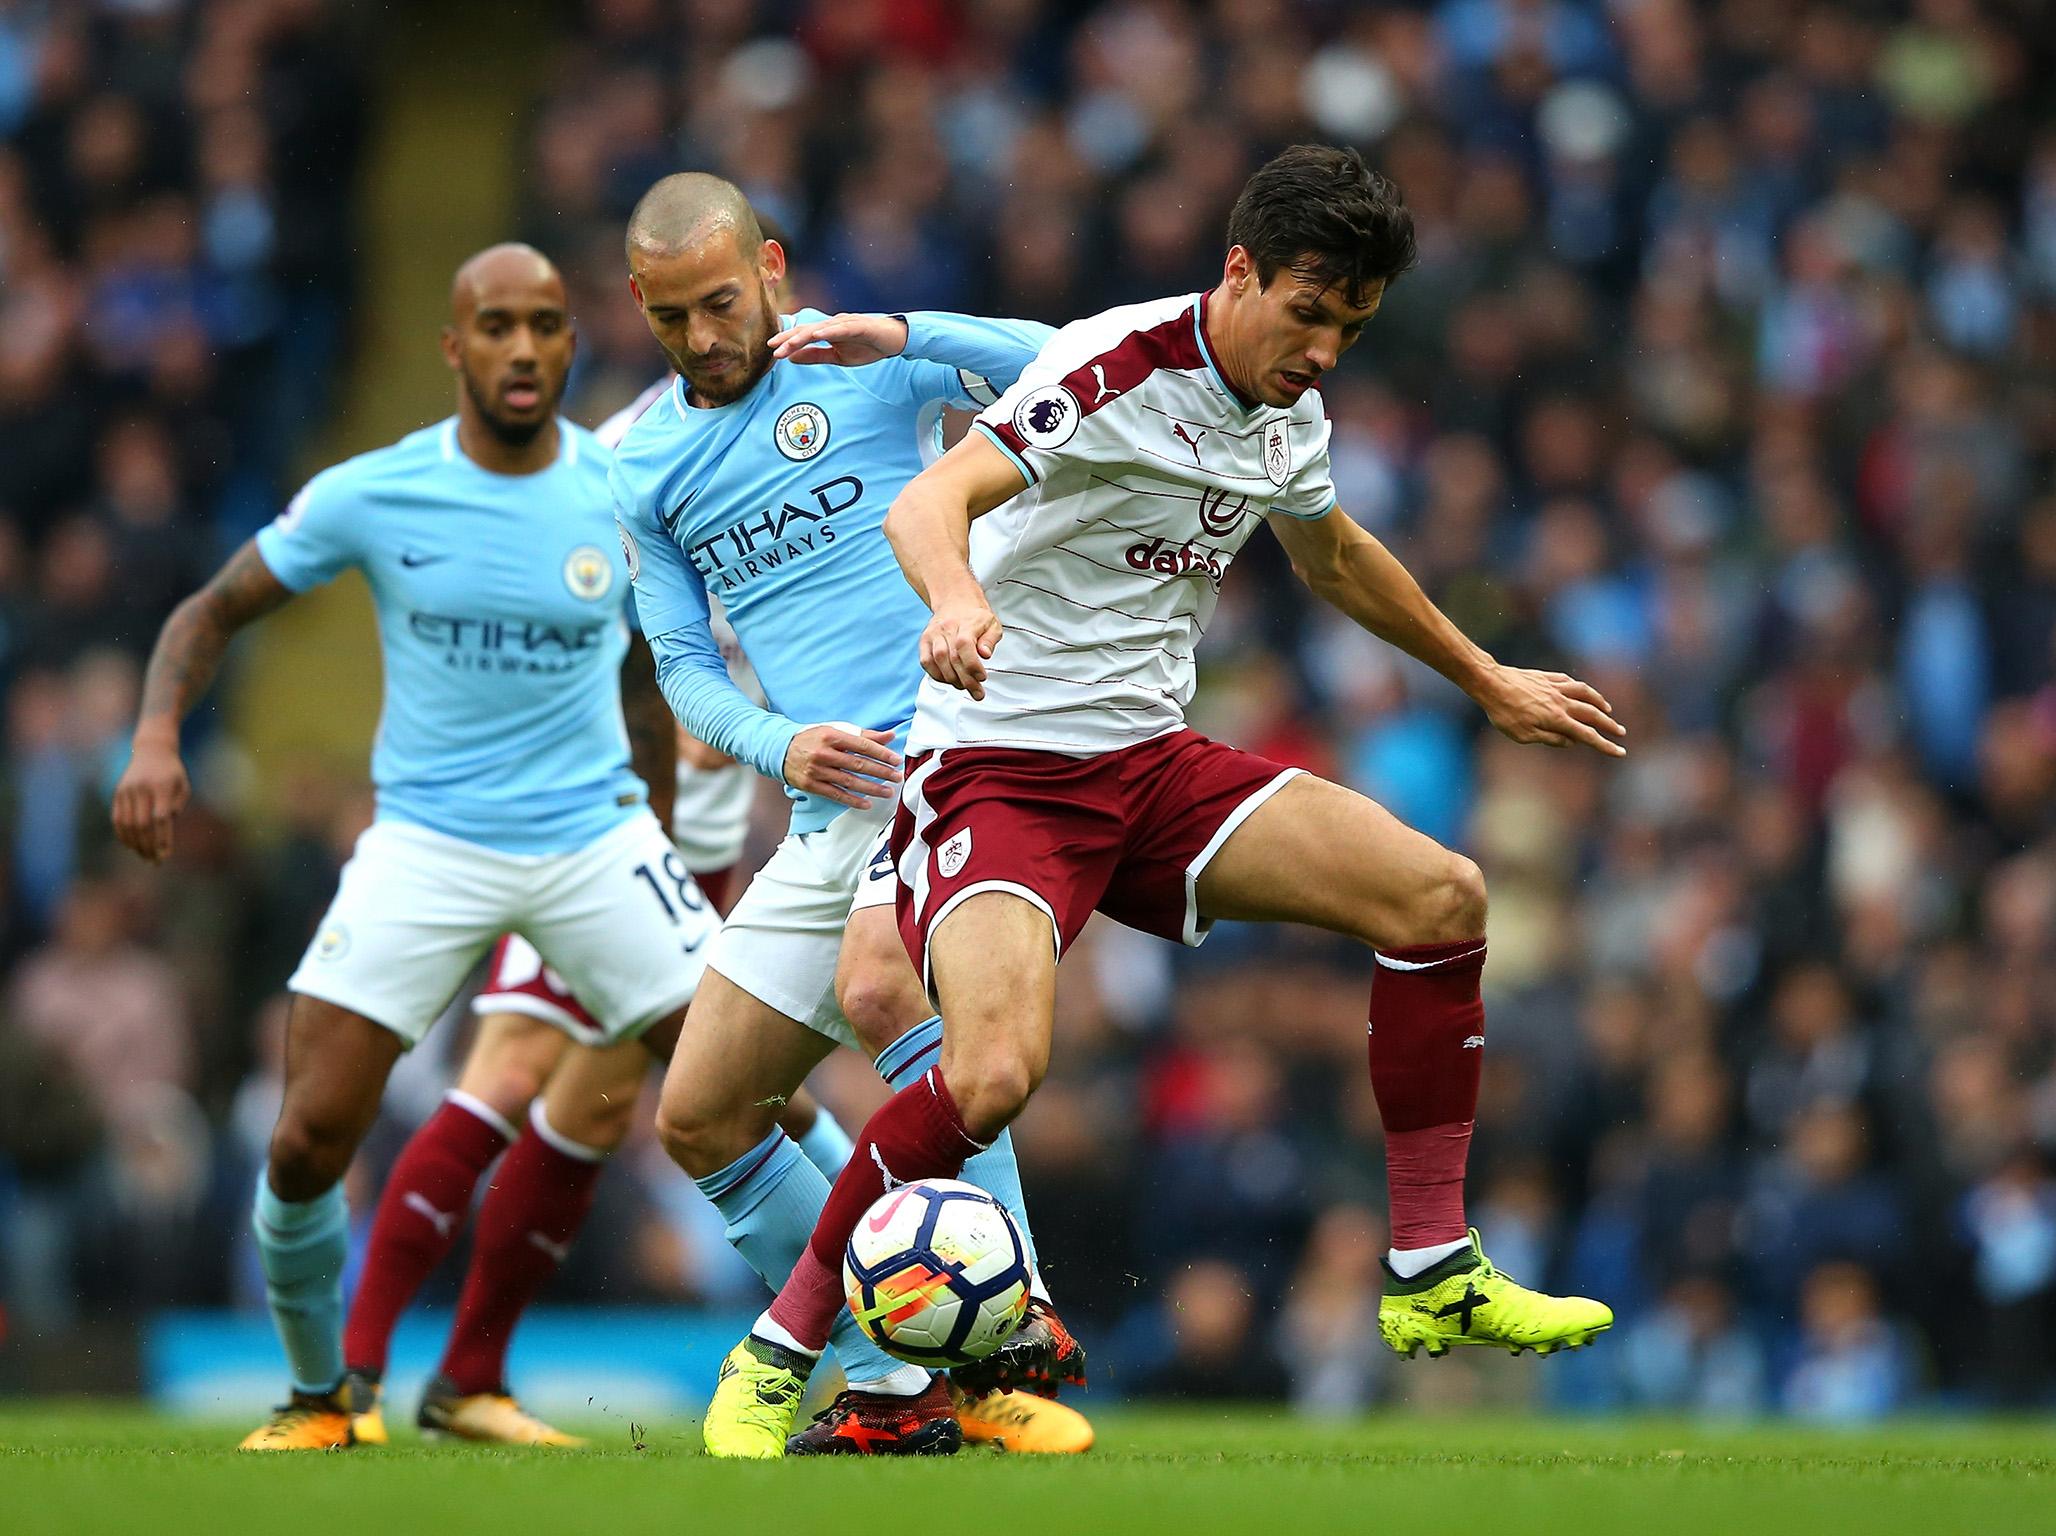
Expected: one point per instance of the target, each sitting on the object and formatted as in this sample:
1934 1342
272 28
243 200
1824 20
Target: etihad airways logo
496 645
766 540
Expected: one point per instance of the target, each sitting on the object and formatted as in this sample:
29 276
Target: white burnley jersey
1146 474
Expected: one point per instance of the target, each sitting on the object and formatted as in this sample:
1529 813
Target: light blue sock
303 1246
826 1144
770 1198
994 1170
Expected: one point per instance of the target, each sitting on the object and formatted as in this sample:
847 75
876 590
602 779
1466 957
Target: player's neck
1214 310
485 448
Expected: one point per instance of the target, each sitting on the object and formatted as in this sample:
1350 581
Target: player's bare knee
307 1156
880 1003
703 1141
1453 907
993 1089
601 1123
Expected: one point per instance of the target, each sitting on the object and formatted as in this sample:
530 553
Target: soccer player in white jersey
506 797
1071 551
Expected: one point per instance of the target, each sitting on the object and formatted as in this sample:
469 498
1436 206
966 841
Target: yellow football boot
492 1418
307 1423
365 1395
755 1401
1464 1300
1022 1424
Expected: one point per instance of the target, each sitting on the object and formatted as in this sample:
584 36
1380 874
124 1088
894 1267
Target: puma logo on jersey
951 856
1178 431
444 1222
1100 374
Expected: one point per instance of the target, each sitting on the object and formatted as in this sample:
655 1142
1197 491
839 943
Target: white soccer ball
936 1273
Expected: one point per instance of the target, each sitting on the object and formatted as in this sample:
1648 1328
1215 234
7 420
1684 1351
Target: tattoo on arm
196 636
652 731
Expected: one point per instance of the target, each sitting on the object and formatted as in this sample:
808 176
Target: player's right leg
1316 853
737 1060
426 1198
881 995
993 959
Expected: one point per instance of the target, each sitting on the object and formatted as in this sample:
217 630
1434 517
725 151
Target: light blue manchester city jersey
776 504
501 618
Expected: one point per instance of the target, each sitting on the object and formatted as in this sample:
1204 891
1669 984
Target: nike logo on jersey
442 1221
413 559
1099 373
1178 431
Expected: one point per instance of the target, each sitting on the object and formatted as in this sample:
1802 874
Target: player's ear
635 288
453 352
771 262
1238 269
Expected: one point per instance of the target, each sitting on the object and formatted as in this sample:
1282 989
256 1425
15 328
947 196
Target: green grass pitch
82 1469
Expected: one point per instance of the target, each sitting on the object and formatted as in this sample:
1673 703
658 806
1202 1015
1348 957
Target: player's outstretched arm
929 528
154 788
1346 565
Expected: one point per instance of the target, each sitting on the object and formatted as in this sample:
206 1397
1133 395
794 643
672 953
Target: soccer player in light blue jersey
763 479
507 797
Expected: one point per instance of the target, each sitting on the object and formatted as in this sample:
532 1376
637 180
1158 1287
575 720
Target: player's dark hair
1321 213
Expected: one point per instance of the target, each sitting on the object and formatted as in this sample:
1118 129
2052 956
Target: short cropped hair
1320 213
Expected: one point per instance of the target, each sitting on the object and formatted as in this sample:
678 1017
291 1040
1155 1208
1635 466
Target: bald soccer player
509 798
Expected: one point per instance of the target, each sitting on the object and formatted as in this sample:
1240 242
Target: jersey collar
453 451
1207 352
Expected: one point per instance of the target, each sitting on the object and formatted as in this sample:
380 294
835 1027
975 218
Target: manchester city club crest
1277 453
802 430
587 572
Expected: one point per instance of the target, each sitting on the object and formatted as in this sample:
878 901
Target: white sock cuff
1408 1262
540 1122
768 1328
471 1103
907 1381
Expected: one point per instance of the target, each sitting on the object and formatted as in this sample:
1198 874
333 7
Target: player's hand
843 764
959 640
153 790
1552 708
851 340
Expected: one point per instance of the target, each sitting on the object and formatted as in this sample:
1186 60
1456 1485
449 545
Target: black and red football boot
872 1424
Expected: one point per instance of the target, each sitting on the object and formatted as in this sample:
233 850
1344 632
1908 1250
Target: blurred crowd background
1727 380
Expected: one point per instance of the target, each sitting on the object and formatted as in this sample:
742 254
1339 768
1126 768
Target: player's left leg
531 1215
1312 852
337 1063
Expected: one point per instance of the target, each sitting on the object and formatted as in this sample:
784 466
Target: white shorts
710 820
781 941
619 919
